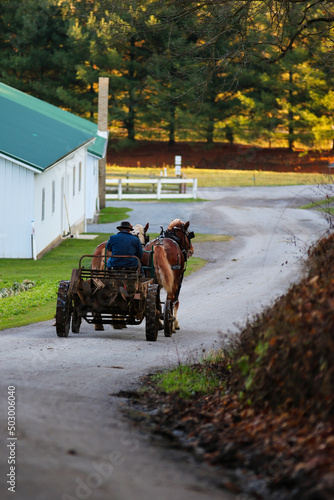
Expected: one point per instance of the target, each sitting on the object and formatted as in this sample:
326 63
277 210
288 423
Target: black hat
124 225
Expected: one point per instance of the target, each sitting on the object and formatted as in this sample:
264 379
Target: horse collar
172 236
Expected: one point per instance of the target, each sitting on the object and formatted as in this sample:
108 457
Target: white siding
16 210
21 202
69 209
92 186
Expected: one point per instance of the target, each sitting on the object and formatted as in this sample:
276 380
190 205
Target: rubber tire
64 310
152 313
168 318
76 320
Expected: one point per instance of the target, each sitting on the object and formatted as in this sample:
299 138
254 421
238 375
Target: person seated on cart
124 243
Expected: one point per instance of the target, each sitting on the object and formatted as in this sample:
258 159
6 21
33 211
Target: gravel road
73 442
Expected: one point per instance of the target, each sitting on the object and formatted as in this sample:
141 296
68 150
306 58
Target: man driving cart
124 243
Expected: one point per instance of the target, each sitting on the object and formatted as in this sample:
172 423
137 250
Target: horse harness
170 235
176 240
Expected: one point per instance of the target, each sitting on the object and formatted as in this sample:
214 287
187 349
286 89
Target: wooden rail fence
156 183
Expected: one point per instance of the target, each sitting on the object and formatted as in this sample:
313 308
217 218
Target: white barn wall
92 186
21 203
57 222
76 201
16 210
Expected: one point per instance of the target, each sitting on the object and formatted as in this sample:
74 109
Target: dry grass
225 178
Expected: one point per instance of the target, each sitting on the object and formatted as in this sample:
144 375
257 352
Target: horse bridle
146 238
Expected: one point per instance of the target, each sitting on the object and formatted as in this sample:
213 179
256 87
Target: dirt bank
221 156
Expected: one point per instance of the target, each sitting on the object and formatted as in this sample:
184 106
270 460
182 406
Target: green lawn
39 303
113 214
323 205
225 178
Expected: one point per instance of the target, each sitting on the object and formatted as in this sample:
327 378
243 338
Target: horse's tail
163 269
97 261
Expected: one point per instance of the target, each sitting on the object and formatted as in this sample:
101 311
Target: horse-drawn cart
118 297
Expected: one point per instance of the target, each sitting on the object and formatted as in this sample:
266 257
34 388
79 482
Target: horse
101 254
171 251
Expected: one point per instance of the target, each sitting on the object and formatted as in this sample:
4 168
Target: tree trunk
210 130
290 114
171 127
130 121
229 134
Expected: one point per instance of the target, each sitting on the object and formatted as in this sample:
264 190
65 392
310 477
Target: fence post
195 189
119 189
159 189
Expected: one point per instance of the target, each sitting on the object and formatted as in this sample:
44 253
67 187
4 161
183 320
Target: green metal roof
39 134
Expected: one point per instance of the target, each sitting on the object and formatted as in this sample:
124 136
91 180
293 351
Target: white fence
158 181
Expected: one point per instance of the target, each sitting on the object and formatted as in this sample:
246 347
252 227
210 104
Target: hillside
220 156
272 418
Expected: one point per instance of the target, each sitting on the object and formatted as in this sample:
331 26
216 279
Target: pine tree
35 51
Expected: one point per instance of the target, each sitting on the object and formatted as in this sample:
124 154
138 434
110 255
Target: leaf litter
272 417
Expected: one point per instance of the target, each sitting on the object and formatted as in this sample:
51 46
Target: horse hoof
99 328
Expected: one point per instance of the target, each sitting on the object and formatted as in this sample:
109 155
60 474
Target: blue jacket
124 243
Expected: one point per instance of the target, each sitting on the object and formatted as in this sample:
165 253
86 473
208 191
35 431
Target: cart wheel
152 312
76 320
168 318
64 310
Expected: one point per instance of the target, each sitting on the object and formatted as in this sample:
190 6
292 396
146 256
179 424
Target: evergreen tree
35 50
171 101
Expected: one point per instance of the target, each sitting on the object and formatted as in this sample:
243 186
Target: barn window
80 176
73 181
43 204
53 196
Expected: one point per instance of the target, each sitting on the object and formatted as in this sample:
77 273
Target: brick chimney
102 125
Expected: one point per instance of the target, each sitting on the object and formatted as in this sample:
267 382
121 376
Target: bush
16 288
285 357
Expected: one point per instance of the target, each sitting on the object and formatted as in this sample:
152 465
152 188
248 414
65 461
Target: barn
48 173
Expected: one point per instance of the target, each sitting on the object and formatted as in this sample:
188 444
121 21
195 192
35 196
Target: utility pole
103 131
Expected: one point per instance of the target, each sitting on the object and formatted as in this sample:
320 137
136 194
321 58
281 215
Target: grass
187 380
322 205
113 214
194 264
225 178
168 200
202 238
39 303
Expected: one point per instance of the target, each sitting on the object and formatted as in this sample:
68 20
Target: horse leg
176 303
176 325
98 326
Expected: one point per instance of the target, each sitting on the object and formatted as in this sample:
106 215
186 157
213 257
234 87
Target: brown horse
170 253
101 255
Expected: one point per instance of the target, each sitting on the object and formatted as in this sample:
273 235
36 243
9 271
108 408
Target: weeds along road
73 441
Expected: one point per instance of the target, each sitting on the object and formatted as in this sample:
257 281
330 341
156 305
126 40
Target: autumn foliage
285 358
272 418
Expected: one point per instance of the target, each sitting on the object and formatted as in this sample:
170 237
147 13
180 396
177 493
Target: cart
118 297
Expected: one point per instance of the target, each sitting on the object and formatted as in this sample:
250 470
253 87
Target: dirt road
72 440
